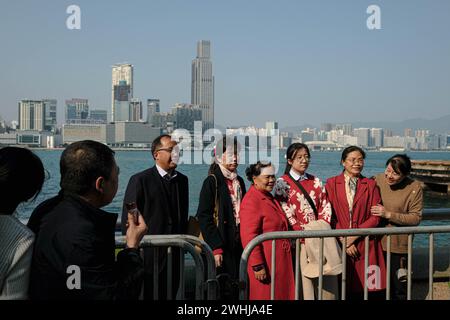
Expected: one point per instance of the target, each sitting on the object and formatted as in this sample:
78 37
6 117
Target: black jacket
147 190
69 231
164 206
226 234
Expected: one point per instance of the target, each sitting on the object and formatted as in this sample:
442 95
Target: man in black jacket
162 196
74 252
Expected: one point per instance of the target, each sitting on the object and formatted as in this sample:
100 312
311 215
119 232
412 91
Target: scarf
235 190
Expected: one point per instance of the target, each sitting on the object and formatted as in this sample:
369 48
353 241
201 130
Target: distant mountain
439 125
297 129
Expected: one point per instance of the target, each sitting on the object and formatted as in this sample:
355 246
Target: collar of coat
361 187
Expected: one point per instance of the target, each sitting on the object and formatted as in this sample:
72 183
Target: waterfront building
132 135
272 128
121 103
152 109
202 84
163 120
135 110
326 127
77 109
376 137
184 116
100 116
7 139
50 114
41 139
363 136
121 73
346 140
408 132
346 128
307 135
87 131
31 115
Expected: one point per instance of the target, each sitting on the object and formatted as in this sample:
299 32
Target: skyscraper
152 109
377 137
77 109
31 115
202 85
121 101
135 110
271 126
121 72
363 136
50 114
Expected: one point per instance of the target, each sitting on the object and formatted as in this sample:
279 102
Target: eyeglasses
170 150
300 158
165 149
392 173
354 161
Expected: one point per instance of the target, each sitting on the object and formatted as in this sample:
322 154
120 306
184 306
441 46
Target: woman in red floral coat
351 196
261 213
299 212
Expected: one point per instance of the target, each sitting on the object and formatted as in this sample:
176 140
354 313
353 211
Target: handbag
193 228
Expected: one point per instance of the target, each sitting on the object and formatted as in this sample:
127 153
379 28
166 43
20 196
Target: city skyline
293 62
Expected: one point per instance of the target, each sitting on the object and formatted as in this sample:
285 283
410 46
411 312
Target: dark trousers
162 283
398 285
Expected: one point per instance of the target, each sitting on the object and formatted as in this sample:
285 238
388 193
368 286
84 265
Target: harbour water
323 165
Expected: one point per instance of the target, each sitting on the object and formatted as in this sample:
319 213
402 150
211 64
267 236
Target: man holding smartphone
74 252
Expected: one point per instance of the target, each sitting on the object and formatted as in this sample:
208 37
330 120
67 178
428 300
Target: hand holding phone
132 208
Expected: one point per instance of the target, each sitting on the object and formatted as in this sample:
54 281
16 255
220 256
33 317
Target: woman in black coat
219 218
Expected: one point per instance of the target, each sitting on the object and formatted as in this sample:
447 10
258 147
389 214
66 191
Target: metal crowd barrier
205 282
297 235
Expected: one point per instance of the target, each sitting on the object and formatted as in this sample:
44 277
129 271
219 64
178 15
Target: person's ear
290 162
99 184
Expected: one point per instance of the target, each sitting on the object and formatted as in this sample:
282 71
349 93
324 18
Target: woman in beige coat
402 200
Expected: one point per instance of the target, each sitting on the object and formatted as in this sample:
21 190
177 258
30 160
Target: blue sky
292 61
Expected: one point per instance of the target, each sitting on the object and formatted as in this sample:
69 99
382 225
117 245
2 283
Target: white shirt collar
163 172
298 177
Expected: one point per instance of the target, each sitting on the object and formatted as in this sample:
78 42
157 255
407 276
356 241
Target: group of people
348 201
67 250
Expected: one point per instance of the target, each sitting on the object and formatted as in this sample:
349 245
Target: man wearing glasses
161 194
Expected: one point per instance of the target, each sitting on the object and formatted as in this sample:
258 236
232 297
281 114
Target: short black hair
350 150
401 164
254 170
22 176
157 143
292 151
82 163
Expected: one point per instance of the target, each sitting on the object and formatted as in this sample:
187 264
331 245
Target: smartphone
132 208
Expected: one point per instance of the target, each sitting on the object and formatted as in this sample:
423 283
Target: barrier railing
205 282
366 233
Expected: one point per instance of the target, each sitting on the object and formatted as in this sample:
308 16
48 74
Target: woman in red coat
261 213
351 196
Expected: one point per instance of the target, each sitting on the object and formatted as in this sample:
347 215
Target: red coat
260 213
367 195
